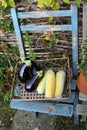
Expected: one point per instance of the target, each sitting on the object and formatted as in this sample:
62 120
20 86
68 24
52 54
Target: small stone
51 123
36 128
0 122
39 124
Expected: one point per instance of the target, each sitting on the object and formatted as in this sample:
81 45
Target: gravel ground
24 121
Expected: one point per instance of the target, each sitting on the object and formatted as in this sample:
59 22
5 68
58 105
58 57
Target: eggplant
24 73
34 68
31 84
27 70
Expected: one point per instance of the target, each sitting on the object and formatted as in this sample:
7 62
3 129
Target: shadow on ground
24 120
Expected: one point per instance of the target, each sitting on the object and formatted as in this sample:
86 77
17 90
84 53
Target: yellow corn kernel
50 84
60 82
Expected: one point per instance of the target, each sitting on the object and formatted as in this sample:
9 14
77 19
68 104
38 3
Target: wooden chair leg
34 115
84 117
76 116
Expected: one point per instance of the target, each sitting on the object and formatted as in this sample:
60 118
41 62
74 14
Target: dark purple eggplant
24 73
32 83
34 68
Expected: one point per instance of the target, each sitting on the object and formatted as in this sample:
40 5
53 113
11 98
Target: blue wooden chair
62 107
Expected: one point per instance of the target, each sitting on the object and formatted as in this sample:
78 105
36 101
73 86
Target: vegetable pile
30 74
47 83
52 85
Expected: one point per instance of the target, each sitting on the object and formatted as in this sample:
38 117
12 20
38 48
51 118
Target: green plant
6 25
82 67
55 4
6 115
8 71
8 78
7 3
48 4
31 53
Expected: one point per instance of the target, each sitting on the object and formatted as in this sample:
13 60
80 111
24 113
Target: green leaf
50 18
11 3
40 4
4 4
56 6
78 2
66 1
56 41
28 62
47 2
52 3
22 59
7 97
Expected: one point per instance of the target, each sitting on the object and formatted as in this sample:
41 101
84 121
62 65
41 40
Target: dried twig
13 82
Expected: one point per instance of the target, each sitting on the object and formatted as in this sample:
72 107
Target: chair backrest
72 27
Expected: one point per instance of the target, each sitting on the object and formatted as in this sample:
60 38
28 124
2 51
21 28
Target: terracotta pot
82 83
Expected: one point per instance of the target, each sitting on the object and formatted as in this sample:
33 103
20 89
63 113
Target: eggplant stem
40 73
27 62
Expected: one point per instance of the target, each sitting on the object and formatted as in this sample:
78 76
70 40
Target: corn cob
50 84
60 82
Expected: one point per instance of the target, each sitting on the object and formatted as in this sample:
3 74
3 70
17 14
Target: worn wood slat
44 107
76 116
75 38
84 20
44 28
18 32
41 14
42 54
81 109
73 85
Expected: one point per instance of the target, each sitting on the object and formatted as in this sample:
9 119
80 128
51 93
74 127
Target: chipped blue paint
41 14
44 107
75 38
18 32
44 28
76 101
73 84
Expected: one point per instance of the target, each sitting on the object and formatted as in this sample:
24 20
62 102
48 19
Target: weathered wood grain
44 28
84 20
42 14
44 107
